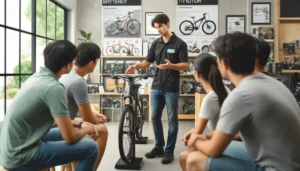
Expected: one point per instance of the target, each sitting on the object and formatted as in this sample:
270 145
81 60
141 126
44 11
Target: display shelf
289 19
290 71
187 95
107 94
123 74
107 108
123 57
186 116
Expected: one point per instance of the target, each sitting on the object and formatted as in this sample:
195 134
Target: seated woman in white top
207 73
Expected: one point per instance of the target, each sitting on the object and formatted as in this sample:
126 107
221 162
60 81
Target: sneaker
155 152
168 158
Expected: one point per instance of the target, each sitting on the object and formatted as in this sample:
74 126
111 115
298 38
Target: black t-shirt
174 50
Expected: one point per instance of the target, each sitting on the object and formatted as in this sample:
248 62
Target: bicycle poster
197 46
122 46
261 13
197 21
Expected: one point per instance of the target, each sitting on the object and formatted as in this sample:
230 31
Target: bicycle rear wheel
140 120
186 27
112 29
126 135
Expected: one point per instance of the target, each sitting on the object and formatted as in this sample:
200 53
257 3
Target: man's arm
144 64
87 114
178 67
216 145
69 133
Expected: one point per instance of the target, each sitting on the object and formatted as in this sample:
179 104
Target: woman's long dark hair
206 65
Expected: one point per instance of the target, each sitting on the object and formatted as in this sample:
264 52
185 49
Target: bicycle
187 27
188 107
132 118
133 26
116 49
131 50
193 49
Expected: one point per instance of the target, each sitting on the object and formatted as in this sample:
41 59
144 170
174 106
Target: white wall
71 5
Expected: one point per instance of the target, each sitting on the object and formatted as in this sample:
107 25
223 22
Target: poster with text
197 20
122 47
235 24
122 18
197 46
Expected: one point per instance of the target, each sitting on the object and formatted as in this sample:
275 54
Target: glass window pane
60 23
40 46
12 52
2 12
41 17
50 20
12 87
26 15
26 66
1 98
12 13
1 51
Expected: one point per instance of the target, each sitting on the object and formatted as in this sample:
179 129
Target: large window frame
34 37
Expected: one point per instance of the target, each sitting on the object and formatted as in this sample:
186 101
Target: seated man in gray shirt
77 93
262 109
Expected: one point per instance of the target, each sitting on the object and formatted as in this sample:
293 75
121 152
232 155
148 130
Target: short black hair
161 19
87 52
264 50
238 50
59 53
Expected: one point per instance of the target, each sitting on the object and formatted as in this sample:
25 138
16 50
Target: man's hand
91 130
130 69
101 117
186 138
167 65
194 138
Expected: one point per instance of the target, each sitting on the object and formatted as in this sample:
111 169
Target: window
25 28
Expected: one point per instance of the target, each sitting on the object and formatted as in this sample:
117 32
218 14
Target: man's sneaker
168 158
155 152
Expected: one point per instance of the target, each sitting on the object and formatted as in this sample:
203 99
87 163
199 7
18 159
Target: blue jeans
54 151
158 101
234 158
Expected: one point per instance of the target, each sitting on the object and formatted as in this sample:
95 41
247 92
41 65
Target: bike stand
143 140
135 165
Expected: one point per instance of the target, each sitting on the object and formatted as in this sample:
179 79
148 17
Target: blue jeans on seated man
234 158
158 101
54 151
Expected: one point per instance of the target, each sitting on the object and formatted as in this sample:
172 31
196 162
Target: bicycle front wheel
140 120
133 26
186 27
126 135
109 50
205 48
209 27
136 51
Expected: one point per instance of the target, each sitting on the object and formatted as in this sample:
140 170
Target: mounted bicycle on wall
124 24
187 27
131 122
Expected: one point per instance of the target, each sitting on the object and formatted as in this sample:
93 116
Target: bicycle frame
124 22
200 20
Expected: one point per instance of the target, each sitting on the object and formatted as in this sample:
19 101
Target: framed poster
235 23
261 13
149 30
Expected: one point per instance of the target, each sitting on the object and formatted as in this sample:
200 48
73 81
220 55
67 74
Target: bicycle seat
193 17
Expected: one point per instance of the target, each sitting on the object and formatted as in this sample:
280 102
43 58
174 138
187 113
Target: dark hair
59 53
264 50
238 50
161 19
206 65
87 52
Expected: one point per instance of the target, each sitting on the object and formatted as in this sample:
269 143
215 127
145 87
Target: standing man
170 54
77 93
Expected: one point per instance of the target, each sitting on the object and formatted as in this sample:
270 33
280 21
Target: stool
69 167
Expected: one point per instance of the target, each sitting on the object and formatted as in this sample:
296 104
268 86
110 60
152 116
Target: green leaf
89 35
83 33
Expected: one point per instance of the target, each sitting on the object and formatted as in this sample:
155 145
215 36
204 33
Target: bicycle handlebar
129 77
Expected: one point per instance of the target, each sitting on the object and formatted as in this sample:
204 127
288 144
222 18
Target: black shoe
168 158
155 152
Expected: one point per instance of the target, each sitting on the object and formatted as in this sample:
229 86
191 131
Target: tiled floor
111 155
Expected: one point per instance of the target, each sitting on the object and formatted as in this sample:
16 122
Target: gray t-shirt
268 118
77 91
210 110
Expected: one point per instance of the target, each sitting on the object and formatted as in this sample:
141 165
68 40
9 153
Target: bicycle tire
123 51
140 120
186 88
114 29
127 115
133 23
205 48
187 22
109 52
213 24
185 109
197 50
136 51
